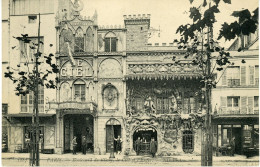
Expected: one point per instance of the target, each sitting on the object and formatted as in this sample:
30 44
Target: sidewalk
92 157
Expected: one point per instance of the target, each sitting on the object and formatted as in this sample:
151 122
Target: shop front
74 119
236 136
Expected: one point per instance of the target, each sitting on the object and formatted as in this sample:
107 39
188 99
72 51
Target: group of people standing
83 144
152 146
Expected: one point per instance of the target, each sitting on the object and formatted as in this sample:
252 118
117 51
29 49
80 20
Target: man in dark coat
74 144
138 146
153 147
84 145
232 145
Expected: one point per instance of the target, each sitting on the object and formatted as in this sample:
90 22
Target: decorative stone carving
162 68
110 68
110 97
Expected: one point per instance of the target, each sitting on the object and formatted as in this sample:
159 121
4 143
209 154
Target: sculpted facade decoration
110 68
110 97
162 68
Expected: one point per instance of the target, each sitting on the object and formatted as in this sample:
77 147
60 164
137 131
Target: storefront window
247 135
187 141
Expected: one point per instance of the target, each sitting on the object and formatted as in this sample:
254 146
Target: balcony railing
233 82
237 111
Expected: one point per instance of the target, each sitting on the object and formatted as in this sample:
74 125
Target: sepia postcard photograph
130 83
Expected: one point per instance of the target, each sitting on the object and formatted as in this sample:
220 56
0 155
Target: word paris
82 69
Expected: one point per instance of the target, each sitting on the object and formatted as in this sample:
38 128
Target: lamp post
112 155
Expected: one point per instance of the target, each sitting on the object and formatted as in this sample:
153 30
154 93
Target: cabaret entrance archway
145 134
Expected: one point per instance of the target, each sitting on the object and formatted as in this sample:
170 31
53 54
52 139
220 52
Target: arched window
79 91
89 40
110 42
187 141
79 41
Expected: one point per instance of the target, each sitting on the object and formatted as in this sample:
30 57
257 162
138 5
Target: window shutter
243 105
223 104
251 75
243 75
250 105
224 78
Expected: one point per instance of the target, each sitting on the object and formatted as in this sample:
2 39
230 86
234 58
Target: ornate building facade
114 83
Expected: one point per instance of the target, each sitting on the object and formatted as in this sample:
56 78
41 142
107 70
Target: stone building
113 83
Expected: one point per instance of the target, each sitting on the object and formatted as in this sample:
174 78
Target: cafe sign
81 69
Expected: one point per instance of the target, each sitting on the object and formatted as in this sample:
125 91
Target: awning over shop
236 119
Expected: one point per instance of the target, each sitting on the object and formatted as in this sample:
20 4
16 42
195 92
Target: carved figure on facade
149 106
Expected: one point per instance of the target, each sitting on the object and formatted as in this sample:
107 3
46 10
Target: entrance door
237 133
78 125
111 135
145 135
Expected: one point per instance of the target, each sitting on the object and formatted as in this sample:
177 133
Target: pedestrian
27 141
153 147
74 144
232 145
84 145
138 145
118 144
41 143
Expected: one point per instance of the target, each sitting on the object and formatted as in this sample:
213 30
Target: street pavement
22 159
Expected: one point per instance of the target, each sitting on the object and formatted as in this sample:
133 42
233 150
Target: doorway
78 125
113 130
145 135
237 133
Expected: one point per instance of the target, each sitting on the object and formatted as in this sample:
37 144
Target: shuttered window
223 105
251 75
243 105
243 75
28 50
257 75
233 76
25 7
256 104
224 78
28 100
250 101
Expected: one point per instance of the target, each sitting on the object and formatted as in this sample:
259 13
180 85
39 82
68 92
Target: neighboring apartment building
113 83
23 16
235 101
5 63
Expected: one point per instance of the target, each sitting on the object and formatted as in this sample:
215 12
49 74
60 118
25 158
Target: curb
125 159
